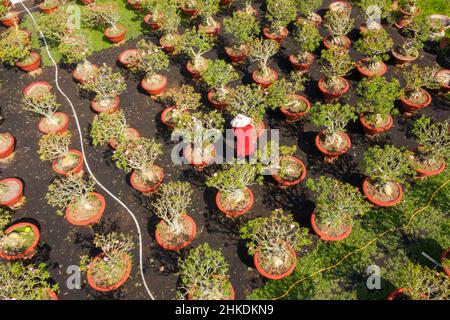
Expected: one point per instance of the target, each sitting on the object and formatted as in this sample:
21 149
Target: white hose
84 154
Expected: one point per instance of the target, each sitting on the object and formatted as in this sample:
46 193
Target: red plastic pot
277 37
111 287
48 10
63 126
234 214
80 78
212 31
295 116
148 20
124 56
163 117
9 149
235 57
325 236
378 202
445 88
425 173
18 197
199 166
370 74
328 44
30 66
92 220
41 85
262 82
11 19
215 103
397 292
302 67
195 74
336 5
275 276
52 295
189 12
372 130
166 246
155 89
331 156
87 1
443 257
116 38
150 189
75 170
400 59
134 4
29 252
329 95
129 132
225 2
168 47
413 107
287 183
110 109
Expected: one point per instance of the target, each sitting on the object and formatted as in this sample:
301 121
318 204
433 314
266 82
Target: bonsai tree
17 241
113 265
204 274
243 28
182 99
416 79
273 241
374 44
55 25
376 102
75 49
217 76
338 23
55 147
307 39
416 33
195 44
106 15
109 126
46 106
25 282
409 7
279 13
385 168
207 10
383 7
337 203
308 7
434 144
335 64
14 47
260 52
248 100
168 22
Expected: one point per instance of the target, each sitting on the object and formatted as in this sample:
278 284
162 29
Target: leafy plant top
248 100
243 28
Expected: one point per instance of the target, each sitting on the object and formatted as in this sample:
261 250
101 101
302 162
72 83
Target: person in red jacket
245 133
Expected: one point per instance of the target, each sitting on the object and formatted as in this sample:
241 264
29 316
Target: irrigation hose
84 154
403 227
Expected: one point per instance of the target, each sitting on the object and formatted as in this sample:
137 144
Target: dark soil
62 244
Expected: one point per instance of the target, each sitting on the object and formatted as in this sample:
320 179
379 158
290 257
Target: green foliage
54 145
75 48
338 23
260 52
242 26
195 44
106 126
55 25
200 128
106 84
183 98
169 20
249 100
13 46
152 59
280 13
335 62
234 177
383 5
5 218
207 9
105 15
334 117
218 75
417 78
44 105
137 154
375 43
282 92
307 7
307 38
416 32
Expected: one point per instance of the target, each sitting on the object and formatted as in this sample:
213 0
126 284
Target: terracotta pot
110 109
365 72
134 4
264 273
13 201
79 77
92 220
443 257
29 252
63 126
337 5
413 107
234 214
425 173
148 20
225 2
317 19
75 170
287 183
231 297
114 286
329 95
215 103
371 129
34 87
291 116
397 292
195 74
189 12
262 82
87 1
116 38
199 166
48 10
147 189
212 31
277 37
325 236
126 55
235 57
166 246
155 89
328 44
30 66
378 202
52 295
130 132
11 19
9 148
332 156
302 67
400 59
164 115
445 88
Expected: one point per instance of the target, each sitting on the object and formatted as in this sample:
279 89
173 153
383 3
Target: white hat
240 121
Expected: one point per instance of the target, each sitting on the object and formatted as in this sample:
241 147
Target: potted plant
248 8
445 261
283 94
207 9
279 13
155 15
152 60
204 274
11 193
189 7
243 28
55 25
55 147
136 4
340 6
374 44
217 75
409 8
385 169
443 78
168 24
234 197
376 104
176 230
308 7
138 156
26 282
8 17
15 50
111 128
414 97
19 241
434 146
7 144
109 270
332 141
46 106
374 11
273 242
338 23
200 131
335 64
107 16
260 52
49 6
107 86
76 196
307 39
181 100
